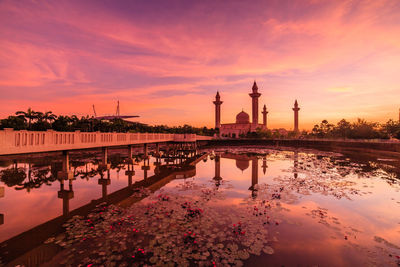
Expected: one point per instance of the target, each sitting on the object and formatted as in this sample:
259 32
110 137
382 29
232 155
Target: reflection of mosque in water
242 163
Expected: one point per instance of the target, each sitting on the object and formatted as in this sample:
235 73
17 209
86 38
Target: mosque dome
242 117
242 164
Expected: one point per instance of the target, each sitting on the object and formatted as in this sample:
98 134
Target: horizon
166 61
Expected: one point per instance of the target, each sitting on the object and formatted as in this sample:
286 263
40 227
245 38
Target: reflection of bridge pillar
217 178
65 173
130 172
130 151
66 195
264 166
104 183
146 150
157 149
295 164
254 177
145 167
104 159
1 195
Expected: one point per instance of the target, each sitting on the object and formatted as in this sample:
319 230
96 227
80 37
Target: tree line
42 121
360 129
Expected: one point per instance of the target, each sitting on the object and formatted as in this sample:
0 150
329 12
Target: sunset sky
165 60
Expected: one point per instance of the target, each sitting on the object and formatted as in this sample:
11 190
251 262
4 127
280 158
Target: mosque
243 125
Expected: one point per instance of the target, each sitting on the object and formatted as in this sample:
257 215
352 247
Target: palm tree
29 114
49 116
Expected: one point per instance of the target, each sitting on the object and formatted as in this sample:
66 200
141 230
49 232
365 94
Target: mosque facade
243 125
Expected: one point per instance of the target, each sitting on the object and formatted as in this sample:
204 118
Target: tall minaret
218 104
265 112
296 116
254 111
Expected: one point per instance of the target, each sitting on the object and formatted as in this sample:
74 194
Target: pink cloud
154 57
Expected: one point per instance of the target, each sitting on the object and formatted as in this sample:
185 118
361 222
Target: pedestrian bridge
23 141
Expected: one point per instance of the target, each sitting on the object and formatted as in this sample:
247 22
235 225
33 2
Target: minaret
265 112
217 104
254 110
296 116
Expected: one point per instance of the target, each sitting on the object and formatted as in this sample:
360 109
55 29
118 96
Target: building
242 125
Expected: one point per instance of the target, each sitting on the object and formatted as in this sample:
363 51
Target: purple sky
165 60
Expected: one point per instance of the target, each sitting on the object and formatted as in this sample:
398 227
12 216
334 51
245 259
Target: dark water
244 206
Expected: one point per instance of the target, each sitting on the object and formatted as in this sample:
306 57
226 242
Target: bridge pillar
146 151
66 195
65 173
104 182
1 195
104 159
145 168
157 149
130 172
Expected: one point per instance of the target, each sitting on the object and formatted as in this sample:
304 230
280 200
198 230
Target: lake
252 206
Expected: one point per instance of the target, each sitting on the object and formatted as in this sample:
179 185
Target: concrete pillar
157 149
217 104
104 159
65 195
104 183
65 173
296 116
130 173
145 167
130 151
146 151
2 189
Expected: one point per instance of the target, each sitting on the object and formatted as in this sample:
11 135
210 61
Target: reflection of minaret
66 195
1 195
254 105
104 183
264 166
296 116
295 164
254 177
217 177
265 112
218 104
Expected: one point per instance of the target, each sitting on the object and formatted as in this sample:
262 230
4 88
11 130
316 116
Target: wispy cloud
178 53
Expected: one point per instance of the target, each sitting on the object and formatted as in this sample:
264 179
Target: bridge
23 141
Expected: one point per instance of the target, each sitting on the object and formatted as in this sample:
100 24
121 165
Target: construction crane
116 116
94 110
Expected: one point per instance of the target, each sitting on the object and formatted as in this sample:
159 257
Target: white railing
18 142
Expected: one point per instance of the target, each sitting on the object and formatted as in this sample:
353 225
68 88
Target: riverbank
331 145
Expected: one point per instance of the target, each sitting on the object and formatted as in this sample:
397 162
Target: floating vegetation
196 223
